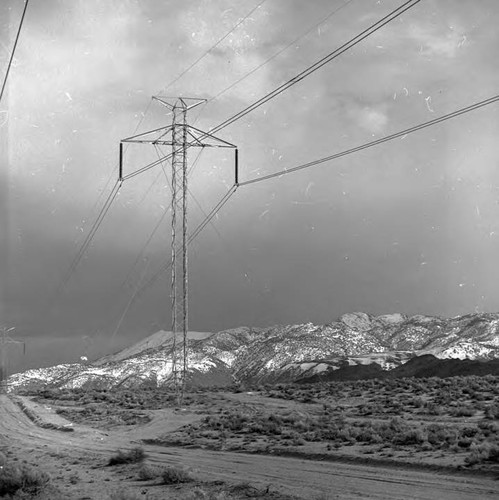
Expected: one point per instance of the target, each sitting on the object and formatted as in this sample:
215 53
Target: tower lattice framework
180 136
179 282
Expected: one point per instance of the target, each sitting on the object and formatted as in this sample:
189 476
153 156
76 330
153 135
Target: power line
387 138
100 216
155 229
152 234
317 65
182 74
113 194
176 79
272 57
13 50
337 52
213 213
308 71
144 247
396 135
103 212
129 304
167 264
86 243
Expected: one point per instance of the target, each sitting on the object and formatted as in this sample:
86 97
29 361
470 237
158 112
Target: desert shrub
175 475
25 479
307 398
492 412
463 411
417 402
468 432
413 436
433 408
484 452
297 440
464 442
395 426
368 435
135 455
123 494
370 409
148 472
235 422
439 434
488 428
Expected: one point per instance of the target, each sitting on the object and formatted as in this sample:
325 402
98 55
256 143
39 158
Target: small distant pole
5 340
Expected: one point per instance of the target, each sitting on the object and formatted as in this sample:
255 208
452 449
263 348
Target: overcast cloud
411 226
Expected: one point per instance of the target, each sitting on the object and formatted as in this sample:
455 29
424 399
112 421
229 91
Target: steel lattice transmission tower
180 136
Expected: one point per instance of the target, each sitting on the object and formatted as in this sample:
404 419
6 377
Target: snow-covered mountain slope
284 353
151 343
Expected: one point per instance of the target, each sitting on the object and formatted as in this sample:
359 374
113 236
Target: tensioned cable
147 167
176 79
13 50
97 223
182 74
387 138
166 265
311 69
158 224
103 212
215 97
280 51
155 229
317 65
212 214
143 249
322 160
195 233
129 304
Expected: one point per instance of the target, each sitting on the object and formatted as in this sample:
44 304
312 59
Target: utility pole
180 136
5 340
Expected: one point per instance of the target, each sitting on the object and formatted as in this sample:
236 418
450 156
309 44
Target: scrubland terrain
402 438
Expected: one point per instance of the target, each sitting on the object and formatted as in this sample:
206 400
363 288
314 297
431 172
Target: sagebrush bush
412 436
147 472
15 479
123 494
484 452
175 475
463 411
492 412
133 456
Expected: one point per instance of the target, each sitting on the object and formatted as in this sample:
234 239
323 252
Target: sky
410 226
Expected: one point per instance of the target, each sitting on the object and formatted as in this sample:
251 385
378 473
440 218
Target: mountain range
357 345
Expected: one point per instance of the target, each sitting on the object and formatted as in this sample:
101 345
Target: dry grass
450 421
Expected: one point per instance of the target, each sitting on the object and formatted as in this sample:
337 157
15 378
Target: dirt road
304 478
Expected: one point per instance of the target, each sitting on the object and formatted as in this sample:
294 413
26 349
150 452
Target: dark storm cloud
405 227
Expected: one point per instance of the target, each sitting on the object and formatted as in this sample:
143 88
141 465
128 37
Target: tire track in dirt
296 476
